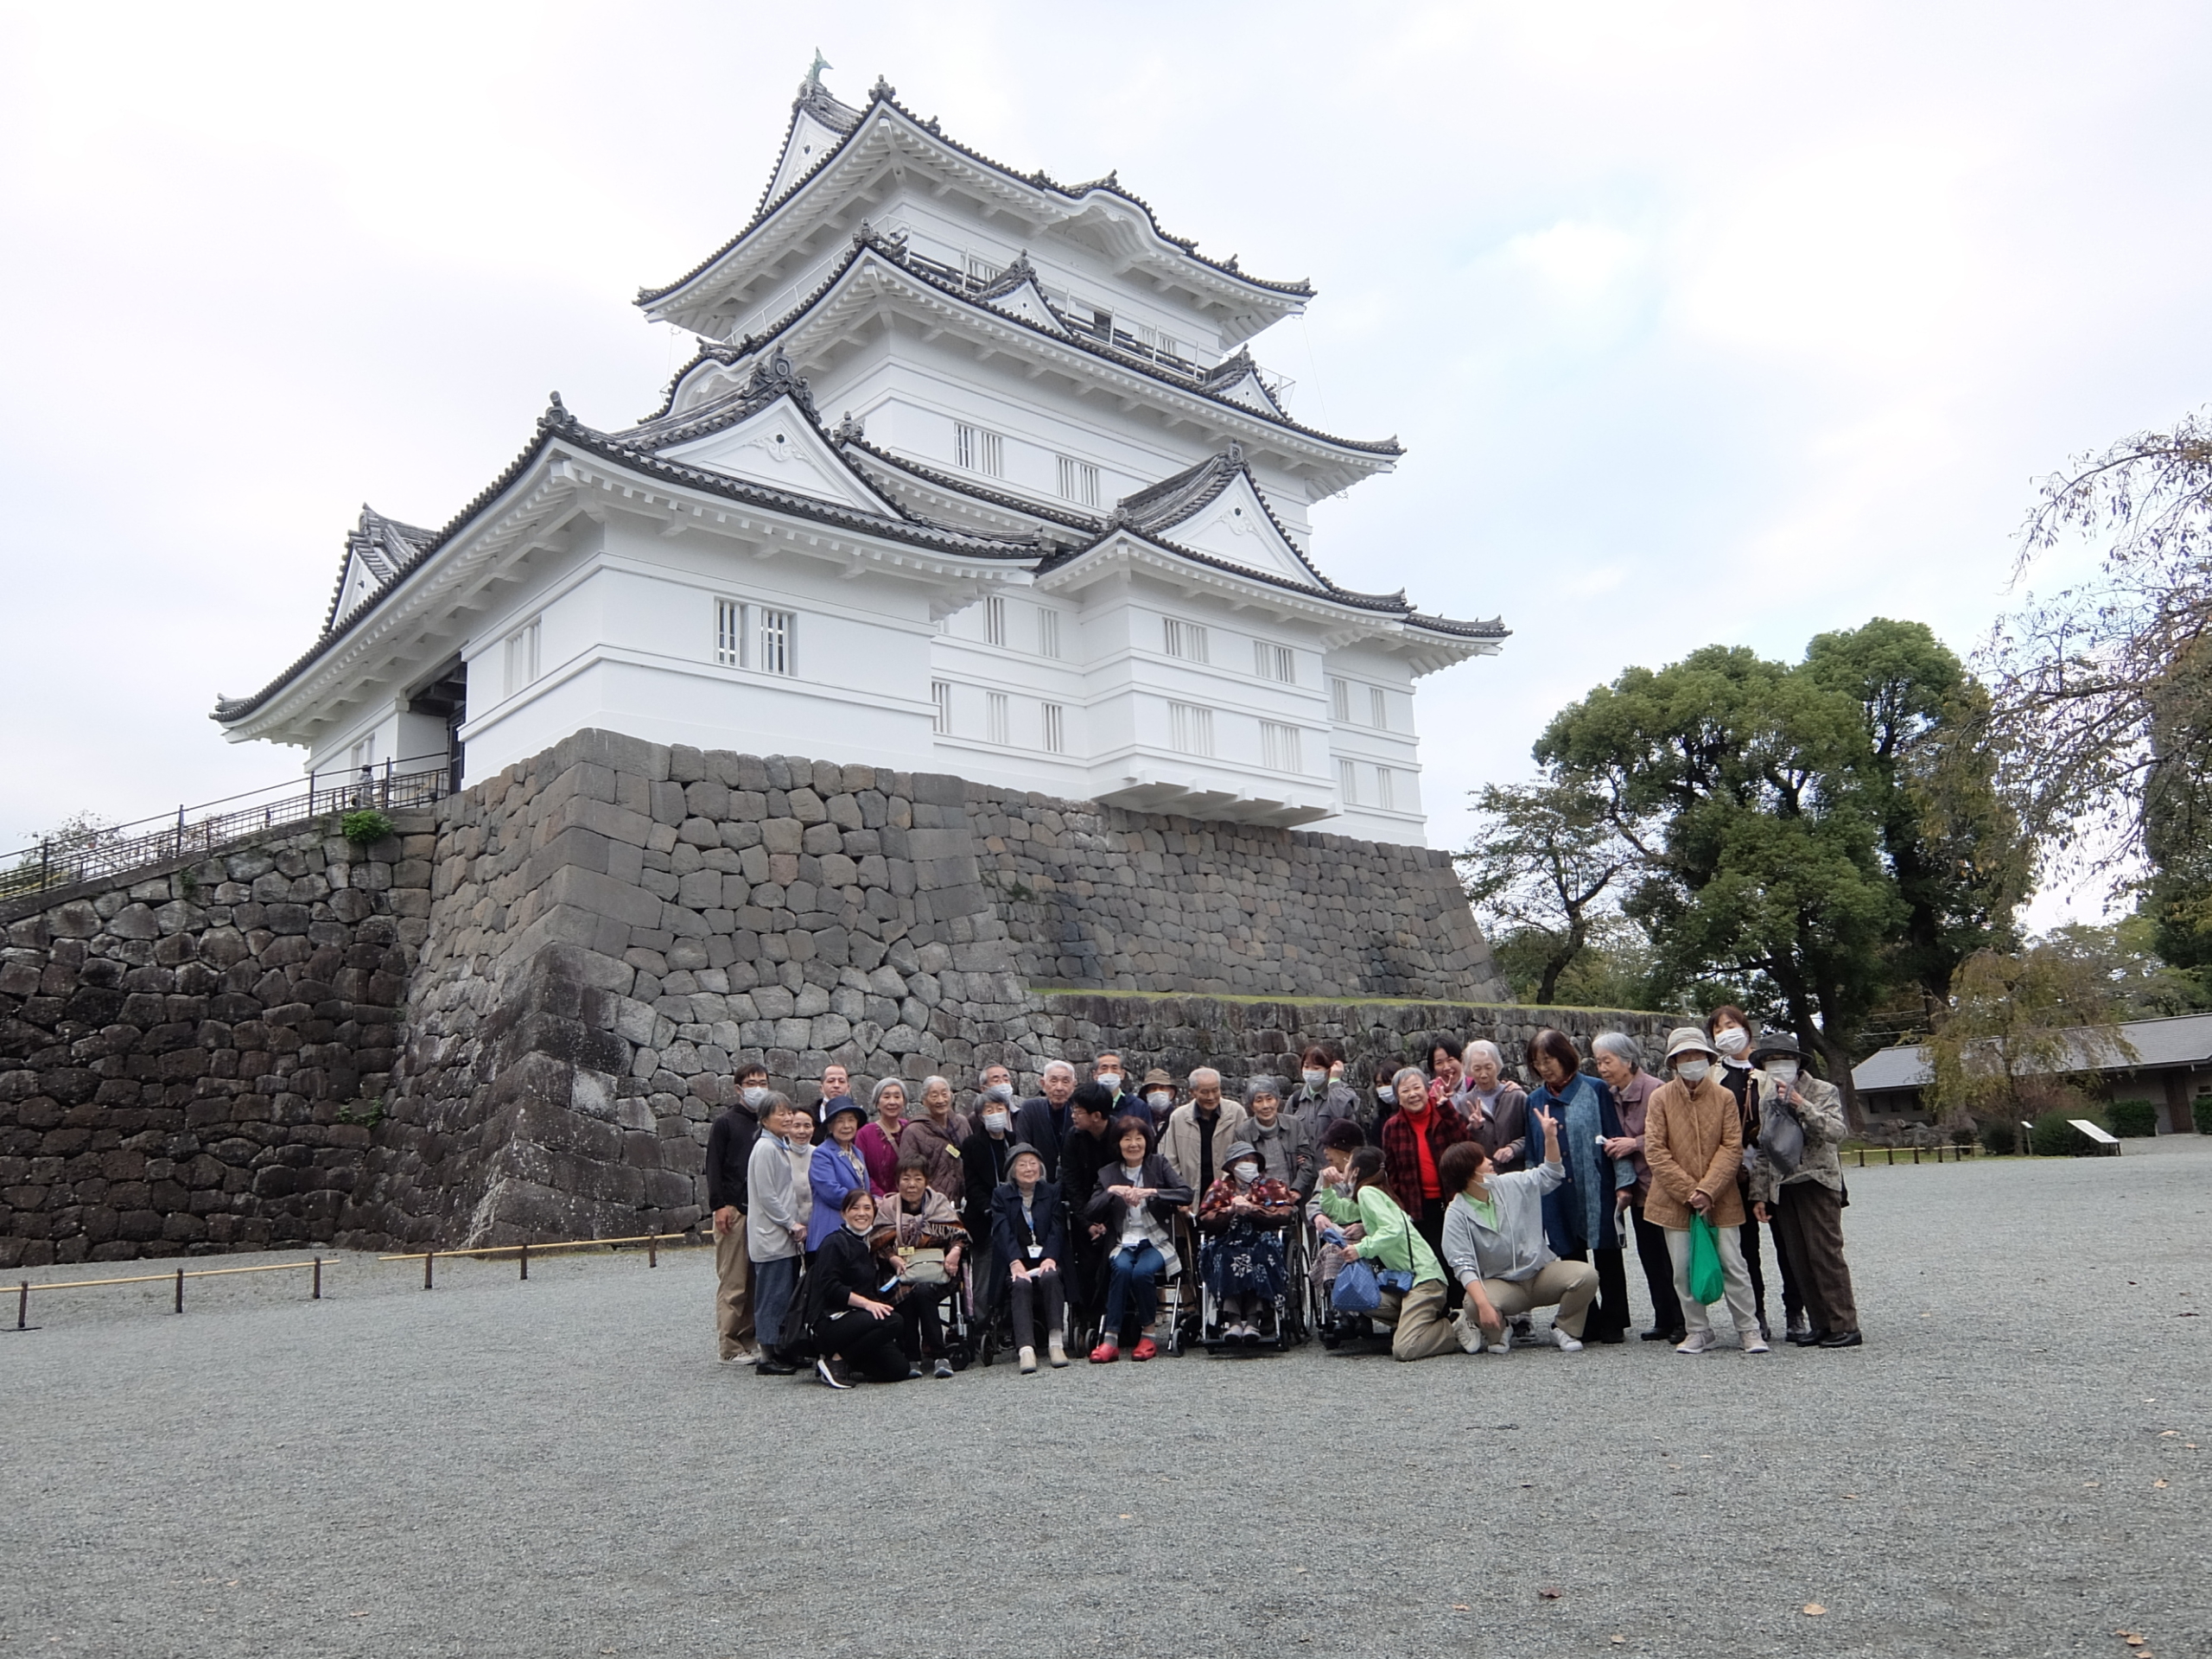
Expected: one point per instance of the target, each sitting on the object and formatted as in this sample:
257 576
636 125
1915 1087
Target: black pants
921 1324
1658 1275
871 1347
1430 1225
1608 1315
1024 1296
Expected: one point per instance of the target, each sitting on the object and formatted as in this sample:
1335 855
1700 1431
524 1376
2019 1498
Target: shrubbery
365 829
2001 1136
2200 1113
2053 1137
2132 1120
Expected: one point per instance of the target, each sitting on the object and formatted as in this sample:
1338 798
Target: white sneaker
1698 1342
1503 1342
1468 1334
1754 1343
1055 1351
1567 1344
1028 1361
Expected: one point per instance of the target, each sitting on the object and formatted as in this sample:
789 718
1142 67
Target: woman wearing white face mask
1798 1186
1241 1222
1694 1140
1320 1097
988 1152
1731 1031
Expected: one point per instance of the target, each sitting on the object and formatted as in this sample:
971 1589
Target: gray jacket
1516 1250
776 1184
1822 1116
1287 1152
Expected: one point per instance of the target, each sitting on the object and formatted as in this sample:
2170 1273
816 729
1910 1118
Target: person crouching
1494 1243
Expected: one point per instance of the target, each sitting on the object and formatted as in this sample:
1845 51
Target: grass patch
1248 1001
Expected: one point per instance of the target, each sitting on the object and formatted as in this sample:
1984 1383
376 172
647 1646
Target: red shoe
1145 1349
1106 1353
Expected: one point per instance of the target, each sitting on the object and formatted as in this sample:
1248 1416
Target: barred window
979 451
729 633
1078 481
995 704
1273 662
1279 746
522 656
1386 788
941 709
995 619
1184 639
1378 707
1348 782
1190 728
1340 700
1048 632
777 629
1056 729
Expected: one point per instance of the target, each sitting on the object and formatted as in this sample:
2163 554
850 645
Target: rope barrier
24 1287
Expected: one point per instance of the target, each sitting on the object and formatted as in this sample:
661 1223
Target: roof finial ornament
557 412
883 89
849 429
813 81
1235 453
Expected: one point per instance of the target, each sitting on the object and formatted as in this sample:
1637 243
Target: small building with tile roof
971 471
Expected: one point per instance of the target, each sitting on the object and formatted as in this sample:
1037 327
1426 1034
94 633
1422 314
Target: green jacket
1390 1240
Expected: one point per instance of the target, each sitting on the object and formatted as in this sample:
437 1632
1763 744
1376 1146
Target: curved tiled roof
1087 522
867 239
885 95
556 423
1175 499
382 544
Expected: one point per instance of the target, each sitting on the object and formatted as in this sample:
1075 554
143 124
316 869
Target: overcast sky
1699 322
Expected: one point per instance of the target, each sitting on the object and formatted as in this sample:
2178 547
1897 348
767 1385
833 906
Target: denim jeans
1129 1274
773 1281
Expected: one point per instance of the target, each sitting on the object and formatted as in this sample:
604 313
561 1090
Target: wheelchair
1175 1296
1282 1320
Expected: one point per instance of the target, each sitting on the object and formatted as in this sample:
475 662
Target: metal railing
114 850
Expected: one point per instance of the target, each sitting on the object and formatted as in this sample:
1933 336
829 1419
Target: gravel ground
2011 1466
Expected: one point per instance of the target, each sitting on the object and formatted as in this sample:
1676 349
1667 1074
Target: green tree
2021 1024
1811 831
1541 870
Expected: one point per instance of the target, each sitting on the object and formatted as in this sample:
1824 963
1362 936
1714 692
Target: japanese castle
973 471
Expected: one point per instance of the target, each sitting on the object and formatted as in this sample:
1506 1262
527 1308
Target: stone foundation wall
193 1060
545 987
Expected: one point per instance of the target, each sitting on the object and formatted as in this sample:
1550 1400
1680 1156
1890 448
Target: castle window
522 656
1275 662
1190 728
1279 746
729 633
1048 632
1078 481
995 703
777 628
1348 782
1184 639
1378 707
1386 788
979 451
995 619
941 707
1340 700
1056 729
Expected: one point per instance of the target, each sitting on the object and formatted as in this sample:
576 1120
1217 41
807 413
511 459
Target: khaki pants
1572 1285
1736 1280
733 1291
1424 1325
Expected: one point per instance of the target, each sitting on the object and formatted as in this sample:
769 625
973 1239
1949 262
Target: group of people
1475 1199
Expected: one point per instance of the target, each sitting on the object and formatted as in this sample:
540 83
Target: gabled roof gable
1015 292
819 124
779 446
376 548
1236 525
1237 378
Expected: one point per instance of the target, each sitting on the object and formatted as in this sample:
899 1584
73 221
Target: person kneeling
1387 1237
852 1294
1494 1241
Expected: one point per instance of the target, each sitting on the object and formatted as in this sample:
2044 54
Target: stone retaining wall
542 992
191 1060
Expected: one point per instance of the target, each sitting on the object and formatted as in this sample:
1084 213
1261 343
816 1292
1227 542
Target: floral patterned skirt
1246 1261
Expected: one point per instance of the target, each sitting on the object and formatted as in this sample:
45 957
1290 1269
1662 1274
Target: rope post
317 1295
1889 1156
429 1257
525 1259
23 1305
653 1252
180 1290
1862 1157
1916 1155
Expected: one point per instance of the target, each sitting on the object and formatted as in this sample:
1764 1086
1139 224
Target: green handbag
1707 1283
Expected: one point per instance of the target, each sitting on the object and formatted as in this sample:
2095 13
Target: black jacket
1081 1159
1170 1196
729 1147
1011 1237
984 1163
1045 1127
843 1265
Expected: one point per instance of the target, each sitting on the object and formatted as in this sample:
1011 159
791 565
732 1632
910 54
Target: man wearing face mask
1109 1074
987 1153
1042 1120
730 1149
1798 1186
1694 1140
